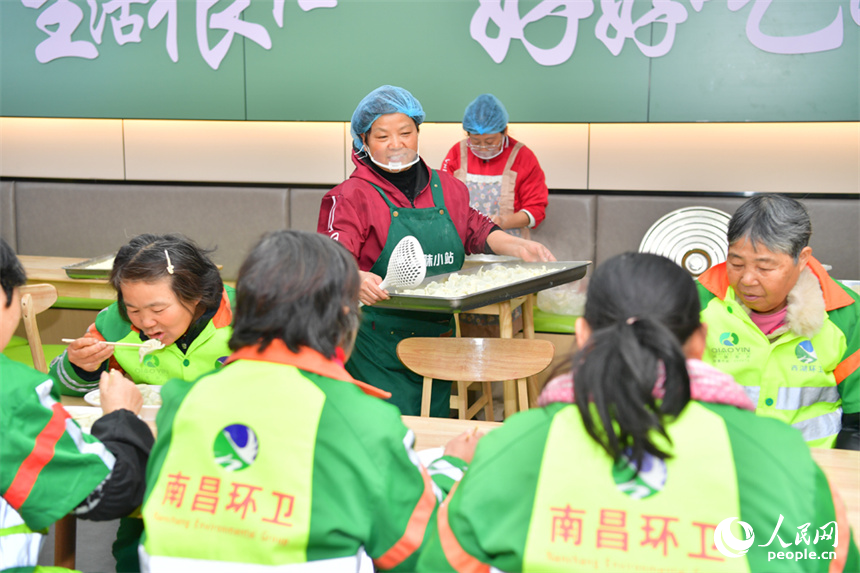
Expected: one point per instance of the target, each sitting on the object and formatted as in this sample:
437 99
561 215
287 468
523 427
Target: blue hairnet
485 115
383 100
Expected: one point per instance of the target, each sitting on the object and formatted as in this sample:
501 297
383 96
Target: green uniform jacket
205 353
281 459
48 466
804 381
541 495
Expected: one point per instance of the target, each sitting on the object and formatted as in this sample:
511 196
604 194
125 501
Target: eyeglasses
470 145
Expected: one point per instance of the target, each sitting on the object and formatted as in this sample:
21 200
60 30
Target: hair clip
632 320
169 264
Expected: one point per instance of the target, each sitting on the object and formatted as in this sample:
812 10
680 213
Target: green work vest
790 379
374 358
205 354
223 493
588 520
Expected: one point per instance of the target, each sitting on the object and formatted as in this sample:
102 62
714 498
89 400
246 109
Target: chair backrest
35 299
475 359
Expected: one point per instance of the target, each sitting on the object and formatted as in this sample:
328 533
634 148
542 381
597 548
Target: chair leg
463 392
65 540
522 394
487 389
426 390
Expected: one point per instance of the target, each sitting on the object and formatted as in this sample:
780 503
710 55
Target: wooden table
842 467
49 270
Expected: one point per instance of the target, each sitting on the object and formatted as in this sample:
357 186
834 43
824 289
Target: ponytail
631 374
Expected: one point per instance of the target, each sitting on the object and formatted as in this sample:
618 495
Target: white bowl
85 416
150 393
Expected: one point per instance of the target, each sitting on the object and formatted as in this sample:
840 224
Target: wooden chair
35 299
475 360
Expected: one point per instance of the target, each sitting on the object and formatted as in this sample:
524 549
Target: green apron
374 357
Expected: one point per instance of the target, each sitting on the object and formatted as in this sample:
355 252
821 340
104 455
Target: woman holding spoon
393 194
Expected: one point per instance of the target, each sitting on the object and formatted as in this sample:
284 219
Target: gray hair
778 222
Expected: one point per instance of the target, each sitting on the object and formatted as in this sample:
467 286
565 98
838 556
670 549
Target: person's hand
463 446
534 252
516 220
370 293
118 392
89 353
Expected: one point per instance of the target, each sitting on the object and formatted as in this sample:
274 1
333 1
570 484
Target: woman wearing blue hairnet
391 194
504 177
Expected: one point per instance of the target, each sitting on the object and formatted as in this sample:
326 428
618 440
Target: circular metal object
693 237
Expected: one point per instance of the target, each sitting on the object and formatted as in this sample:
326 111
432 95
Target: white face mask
487 153
398 159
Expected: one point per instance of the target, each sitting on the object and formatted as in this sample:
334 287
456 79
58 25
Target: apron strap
509 181
464 162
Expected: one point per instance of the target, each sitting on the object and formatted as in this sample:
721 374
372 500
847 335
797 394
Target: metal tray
81 270
560 272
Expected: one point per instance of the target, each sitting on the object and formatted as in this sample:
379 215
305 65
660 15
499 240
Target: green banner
548 61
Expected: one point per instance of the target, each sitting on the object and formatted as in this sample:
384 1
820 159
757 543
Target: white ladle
144 348
406 266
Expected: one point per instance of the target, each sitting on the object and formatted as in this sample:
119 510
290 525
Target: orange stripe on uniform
413 537
42 453
461 561
847 367
837 565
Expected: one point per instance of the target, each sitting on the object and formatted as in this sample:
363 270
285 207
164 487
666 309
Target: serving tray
81 270
558 273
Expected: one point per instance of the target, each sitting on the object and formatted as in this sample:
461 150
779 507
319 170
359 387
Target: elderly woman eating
782 327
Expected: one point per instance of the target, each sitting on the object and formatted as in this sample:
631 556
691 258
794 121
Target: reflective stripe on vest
582 520
360 563
791 379
250 504
19 545
203 356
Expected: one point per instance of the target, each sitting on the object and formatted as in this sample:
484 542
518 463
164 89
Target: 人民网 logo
235 447
805 352
729 339
727 543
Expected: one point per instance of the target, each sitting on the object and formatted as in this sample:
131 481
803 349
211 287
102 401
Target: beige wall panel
240 151
561 149
762 157
437 139
66 148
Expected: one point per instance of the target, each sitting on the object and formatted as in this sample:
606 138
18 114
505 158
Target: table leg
506 330
529 332
65 539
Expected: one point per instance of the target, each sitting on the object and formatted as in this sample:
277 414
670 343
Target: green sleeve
847 319
77 461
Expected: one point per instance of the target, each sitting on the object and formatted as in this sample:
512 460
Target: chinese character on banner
59 21
665 535
494 26
611 533
160 10
230 21
305 5
706 538
618 15
565 525
281 513
828 531
828 38
775 531
206 498
244 503
118 23
449 258
175 490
